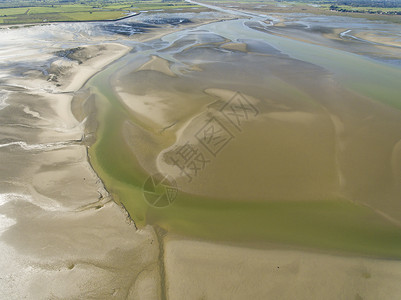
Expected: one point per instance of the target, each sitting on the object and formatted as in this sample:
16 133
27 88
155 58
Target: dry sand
97 57
157 64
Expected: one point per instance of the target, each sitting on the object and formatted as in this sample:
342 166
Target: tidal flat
269 139
61 234
219 154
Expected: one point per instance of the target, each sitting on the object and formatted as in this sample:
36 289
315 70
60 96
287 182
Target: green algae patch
330 225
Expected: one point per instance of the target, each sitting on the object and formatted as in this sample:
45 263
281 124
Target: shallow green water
329 224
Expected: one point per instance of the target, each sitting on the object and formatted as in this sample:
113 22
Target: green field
54 11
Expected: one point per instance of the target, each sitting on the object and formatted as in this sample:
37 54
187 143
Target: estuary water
318 135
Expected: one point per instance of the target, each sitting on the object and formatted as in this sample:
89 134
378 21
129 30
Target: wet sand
62 236
274 274
310 167
292 115
61 233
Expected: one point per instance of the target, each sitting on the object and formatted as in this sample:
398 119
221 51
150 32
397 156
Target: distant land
388 10
32 12
29 12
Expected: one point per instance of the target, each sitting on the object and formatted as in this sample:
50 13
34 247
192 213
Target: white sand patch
37 147
3 98
99 60
157 64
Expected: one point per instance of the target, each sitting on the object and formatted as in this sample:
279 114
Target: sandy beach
59 225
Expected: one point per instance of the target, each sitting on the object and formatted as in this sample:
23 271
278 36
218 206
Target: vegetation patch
24 12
